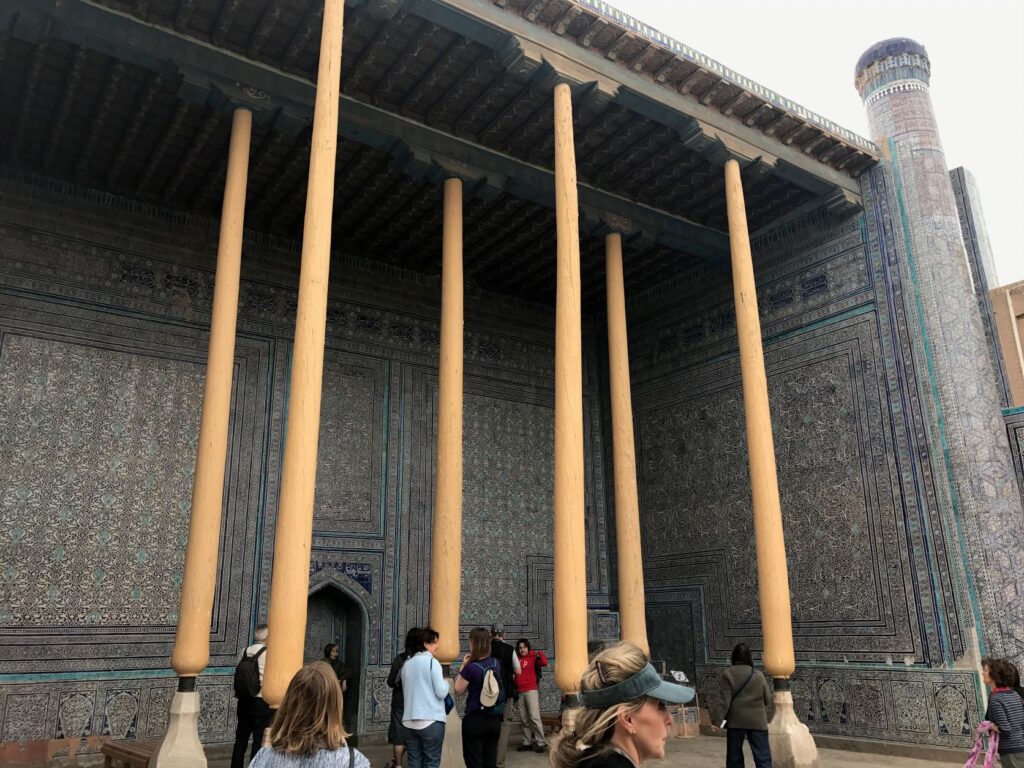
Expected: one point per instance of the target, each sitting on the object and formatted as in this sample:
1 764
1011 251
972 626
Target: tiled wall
103 315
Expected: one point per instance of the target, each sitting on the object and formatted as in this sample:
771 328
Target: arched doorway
335 617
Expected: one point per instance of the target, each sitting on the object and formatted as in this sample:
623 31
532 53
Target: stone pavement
701 752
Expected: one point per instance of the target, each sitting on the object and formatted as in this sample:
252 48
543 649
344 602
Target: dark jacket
395 683
504 652
341 670
748 709
605 757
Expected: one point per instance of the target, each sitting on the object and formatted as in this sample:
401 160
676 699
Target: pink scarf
993 746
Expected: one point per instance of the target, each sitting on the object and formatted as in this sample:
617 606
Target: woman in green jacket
744 713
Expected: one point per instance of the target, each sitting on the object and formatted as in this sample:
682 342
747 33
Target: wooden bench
130 753
551 721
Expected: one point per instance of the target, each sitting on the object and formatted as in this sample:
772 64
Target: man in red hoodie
527 683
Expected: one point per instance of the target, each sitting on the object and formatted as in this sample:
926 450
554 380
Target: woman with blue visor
624 715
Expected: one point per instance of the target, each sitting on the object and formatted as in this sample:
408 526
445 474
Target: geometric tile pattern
982 264
121 515
984 499
935 707
96 308
102 353
877 574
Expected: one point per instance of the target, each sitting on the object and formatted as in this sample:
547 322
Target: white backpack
492 698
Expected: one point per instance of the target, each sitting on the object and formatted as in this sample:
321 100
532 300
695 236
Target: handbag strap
351 755
739 691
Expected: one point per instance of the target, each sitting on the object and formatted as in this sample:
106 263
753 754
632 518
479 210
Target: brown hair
310 715
479 644
1001 671
594 727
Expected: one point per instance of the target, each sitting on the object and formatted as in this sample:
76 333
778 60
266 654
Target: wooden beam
615 49
773 125
115 74
167 136
184 15
28 95
140 112
534 9
755 114
261 34
124 36
596 26
225 19
563 24
195 148
67 101
728 107
661 73
311 23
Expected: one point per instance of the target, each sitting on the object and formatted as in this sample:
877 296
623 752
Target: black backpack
247 675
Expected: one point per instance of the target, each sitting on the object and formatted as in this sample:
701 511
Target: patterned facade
884 621
982 264
965 387
902 517
102 352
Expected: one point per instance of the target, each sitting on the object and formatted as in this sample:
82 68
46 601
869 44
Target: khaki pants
529 714
506 722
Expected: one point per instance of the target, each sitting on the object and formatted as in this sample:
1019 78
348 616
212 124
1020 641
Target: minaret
968 441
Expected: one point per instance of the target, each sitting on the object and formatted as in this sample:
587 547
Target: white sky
806 51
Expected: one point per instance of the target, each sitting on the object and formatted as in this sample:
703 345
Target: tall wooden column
446 550
289 586
570 560
627 508
792 744
191 654
446 545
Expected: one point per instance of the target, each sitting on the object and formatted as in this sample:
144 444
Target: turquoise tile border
127 674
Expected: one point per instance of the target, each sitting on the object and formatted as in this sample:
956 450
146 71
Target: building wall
1007 303
104 308
962 387
982 266
886 621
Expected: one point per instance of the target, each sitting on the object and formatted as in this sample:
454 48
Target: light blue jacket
424 688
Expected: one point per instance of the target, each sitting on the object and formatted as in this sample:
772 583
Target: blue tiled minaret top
892 62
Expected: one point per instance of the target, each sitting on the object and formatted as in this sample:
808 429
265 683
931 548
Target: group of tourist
420 700
623 720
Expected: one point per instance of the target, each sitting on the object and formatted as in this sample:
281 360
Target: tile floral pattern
78 520
102 333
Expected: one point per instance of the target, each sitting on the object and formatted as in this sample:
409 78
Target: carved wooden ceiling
73 110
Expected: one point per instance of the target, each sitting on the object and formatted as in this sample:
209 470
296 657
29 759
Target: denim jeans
758 747
423 747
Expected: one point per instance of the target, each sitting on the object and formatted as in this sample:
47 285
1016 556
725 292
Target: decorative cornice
896 87
616 18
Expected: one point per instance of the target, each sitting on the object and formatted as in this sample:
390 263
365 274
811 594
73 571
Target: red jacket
527 679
